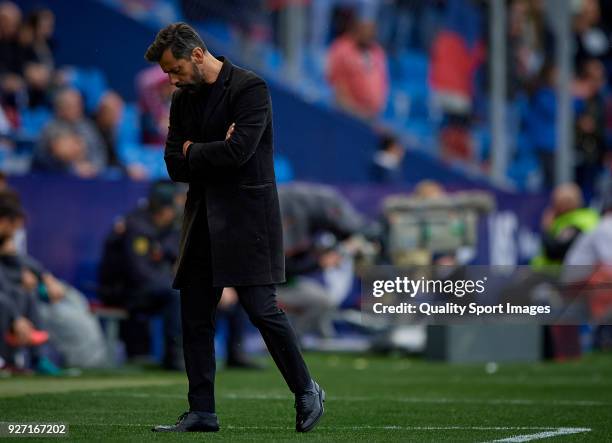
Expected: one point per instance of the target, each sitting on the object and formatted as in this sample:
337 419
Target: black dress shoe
192 421
309 408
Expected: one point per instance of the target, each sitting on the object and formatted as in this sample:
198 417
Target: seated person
16 331
21 317
69 114
64 153
73 331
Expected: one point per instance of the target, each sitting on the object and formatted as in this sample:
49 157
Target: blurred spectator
65 153
592 249
74 332
136 271
428 189
12 97
592 39
588 264
19 236
562 222
357 70
35 38
63 311
456 54
590 124
316 220
5 125
530 43
38 83
107 119
541 122
15 331
387 162
154 95
10 53
24 303
10 60
69 116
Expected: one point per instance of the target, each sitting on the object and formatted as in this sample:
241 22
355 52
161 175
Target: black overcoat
232 181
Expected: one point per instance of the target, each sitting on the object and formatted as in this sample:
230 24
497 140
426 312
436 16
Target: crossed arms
187 161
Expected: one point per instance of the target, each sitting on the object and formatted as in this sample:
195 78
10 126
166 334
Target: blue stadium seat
273 58
129 128
524 171
33 121
92 84
219 30
414 65
282 169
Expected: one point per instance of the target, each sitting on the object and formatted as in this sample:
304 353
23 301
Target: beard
195 82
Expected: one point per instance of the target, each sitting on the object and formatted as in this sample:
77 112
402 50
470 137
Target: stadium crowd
422 67
67 120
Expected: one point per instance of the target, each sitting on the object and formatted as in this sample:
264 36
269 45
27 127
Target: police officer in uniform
137 267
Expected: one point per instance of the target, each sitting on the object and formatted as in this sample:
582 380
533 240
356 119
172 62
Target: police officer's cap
161 194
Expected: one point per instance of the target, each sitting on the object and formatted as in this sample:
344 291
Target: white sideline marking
541 435
441 400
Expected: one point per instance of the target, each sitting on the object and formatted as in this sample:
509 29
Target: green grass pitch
369 398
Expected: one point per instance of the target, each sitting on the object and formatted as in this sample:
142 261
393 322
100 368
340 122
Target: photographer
317 224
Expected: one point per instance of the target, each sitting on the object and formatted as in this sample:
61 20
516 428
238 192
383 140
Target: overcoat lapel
218 89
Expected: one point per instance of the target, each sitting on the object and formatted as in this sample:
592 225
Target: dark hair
161 195
386 141
35 17
181 38
10 205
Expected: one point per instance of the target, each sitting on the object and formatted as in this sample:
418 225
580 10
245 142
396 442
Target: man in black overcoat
220 142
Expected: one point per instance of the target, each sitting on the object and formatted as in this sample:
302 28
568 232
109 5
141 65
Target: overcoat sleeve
250 113
176 163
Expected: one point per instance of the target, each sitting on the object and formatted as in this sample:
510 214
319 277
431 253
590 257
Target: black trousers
236 319
198 308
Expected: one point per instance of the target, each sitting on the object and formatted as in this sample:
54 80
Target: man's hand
230 131
229 298
186 147
29 281
23 329
188 143
55 288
